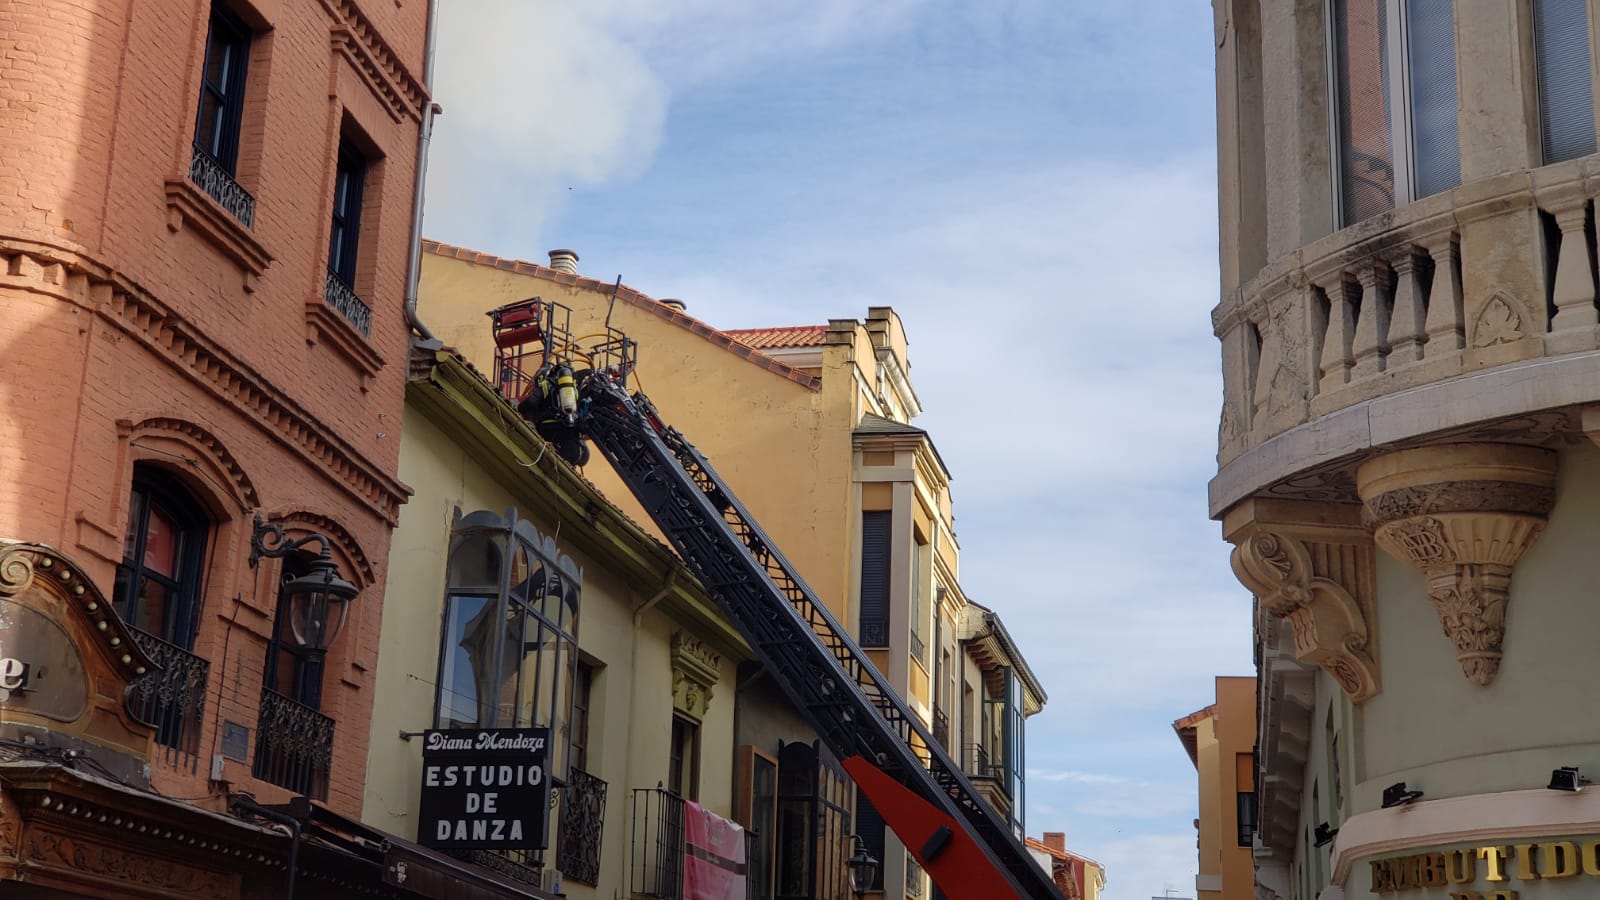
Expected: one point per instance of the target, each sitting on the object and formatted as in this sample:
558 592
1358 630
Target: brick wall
145 323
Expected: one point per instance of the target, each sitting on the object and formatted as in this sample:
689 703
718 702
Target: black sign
485 789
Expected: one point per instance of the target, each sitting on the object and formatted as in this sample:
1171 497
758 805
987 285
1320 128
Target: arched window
159 591
159 582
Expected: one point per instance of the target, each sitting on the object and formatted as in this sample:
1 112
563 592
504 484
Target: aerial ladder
570 392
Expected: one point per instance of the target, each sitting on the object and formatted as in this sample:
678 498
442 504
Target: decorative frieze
1462 515
695 670
1311 563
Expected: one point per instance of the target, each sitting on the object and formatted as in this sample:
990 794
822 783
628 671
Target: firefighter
552 406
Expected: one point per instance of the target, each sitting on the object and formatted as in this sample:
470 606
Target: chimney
564 261
1056 840
673 302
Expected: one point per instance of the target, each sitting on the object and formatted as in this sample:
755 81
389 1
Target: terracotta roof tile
787 336
634 298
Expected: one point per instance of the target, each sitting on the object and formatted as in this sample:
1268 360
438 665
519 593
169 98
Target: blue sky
1032 186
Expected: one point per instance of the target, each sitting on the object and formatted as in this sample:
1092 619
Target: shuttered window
870 828
1566 85
875 527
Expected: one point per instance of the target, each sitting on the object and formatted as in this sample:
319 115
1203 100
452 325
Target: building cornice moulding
127 306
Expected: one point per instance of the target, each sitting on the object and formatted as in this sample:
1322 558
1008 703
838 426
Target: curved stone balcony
1468 315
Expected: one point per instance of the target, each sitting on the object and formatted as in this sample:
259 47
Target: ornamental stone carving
1311 563
1462 515
695 669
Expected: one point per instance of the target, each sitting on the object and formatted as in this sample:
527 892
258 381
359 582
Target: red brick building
206 228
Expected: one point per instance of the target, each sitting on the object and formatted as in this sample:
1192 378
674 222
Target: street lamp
319 599
863 868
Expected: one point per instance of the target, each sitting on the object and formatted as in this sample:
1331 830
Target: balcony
941 729
989 777
347 304
172 698
294 748
1363 338
212 178
658 845
583 813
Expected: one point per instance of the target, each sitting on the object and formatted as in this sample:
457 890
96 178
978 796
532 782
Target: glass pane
1366 161
1431 50
152 609
475 563
219 59
1566 89
161 542
130 540
462 661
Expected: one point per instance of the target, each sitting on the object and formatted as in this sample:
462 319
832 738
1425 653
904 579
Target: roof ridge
632 297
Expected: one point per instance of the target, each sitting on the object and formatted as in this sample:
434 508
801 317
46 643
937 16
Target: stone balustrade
1498 271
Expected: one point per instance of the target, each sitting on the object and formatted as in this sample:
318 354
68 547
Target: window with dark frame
683 774
875 551
348 183
292 670
582 688
1247 817
222 84
159 582
1565 79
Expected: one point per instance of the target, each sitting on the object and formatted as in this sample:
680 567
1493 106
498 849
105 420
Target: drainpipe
633 691
240 801
424 136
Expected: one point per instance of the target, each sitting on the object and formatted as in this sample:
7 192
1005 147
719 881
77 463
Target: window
1244 785
158 587
216 130
292 670
1395 103
582 689
873 832
508 651
919 552
683 768
159 591
1566 85
758 807
348 181
813 812
875 527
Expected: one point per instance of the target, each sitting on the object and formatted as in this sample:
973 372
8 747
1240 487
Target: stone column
1462 515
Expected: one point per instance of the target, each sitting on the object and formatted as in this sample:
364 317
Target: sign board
485 789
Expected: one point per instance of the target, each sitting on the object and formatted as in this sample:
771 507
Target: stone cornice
1311 563
695 671
128 307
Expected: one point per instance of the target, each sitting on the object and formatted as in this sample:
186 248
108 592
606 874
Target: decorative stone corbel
695 668
1462 515
1311 563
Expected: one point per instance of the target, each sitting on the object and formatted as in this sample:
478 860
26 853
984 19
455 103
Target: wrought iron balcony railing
583 814
342 298
941 728
294 747
217 182
979 765
172 698
658 843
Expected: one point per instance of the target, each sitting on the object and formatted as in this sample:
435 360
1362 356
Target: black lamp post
863 868
319 599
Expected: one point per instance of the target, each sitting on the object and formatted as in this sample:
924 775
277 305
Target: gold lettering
1460 866
1591 858
1560 859
1465 895
1501 895
1407 875
1524 853
1430 870
1493 858
1383 876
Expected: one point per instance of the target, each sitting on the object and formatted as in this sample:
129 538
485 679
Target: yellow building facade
1220 741
810 426
634 670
